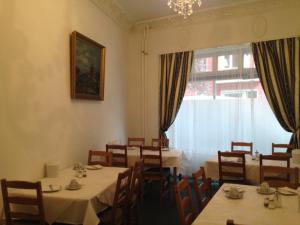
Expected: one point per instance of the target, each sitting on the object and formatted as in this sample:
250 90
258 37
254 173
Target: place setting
51 188
233 192
73 185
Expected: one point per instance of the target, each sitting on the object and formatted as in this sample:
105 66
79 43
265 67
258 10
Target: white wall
38 120
214 28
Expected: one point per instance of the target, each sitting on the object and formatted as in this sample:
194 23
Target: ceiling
139 10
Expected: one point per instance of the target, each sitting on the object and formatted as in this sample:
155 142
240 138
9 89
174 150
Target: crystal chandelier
183 7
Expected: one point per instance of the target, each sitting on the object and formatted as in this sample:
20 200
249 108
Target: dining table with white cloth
248 210
171 158
211 167
78 206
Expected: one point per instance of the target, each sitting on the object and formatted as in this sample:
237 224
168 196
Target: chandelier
183 7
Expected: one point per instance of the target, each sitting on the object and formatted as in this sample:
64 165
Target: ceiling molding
115 12
227 12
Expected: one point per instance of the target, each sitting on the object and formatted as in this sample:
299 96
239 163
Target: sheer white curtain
223 102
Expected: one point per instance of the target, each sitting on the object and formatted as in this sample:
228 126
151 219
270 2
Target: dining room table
249 209
211 167
171 158
77 205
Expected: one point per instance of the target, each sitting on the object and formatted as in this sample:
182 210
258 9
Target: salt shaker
277 199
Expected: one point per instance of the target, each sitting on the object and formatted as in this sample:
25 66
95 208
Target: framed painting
87 68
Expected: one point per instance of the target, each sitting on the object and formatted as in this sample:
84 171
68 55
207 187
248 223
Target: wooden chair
202 190
136 142
153 170
36 201
242 145
136 192
277 176
288 148
162 142
103 158
234 169
278 170
119 155
117 214
184 203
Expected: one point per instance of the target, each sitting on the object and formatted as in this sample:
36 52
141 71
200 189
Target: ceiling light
183 7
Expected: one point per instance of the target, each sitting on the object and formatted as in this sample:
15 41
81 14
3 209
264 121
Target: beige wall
214 28
38 120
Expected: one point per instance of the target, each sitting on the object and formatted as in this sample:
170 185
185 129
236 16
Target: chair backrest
36 201
287 148
136 142
239 147
184 202
121 198
272 173
152 156
119 155
162 142
136 187
202 187
278 170
234 168
103 158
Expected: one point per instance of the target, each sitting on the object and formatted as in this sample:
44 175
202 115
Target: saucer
227 194
227 189
72 188
51 188
269 192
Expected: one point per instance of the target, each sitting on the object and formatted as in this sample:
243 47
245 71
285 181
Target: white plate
68 187
51 188
284 191
93 167
227 189
271 191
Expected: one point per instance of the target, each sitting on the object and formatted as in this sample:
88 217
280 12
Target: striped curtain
277 64
175 71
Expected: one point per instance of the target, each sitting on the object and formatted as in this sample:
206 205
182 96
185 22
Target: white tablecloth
171 158
248 210
79 206
252 168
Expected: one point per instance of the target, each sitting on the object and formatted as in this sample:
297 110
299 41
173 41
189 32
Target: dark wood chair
117 214
119 155
136 192
234 170
202 187
184 203
278 170
100 157
153 170
240 147
135 142
9 199
287 148
278 176
162 142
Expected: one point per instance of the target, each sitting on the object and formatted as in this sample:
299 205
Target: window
224 101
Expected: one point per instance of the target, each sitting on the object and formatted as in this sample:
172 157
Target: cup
234 192
264 187
73 183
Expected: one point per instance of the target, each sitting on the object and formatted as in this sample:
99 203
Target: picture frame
87 68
